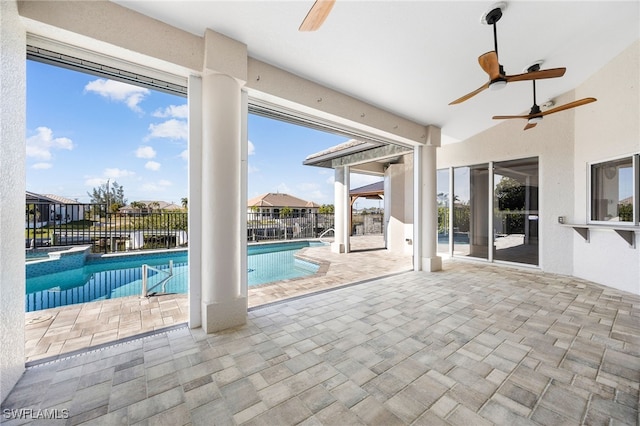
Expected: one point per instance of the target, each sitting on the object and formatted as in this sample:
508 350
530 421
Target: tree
510 194
138 205
185 202
286 211
111 195
511 197
326 209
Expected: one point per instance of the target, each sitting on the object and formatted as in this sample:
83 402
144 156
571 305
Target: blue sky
83 130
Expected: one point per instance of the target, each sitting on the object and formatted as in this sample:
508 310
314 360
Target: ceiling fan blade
317 15
470 95
506 117
537 75
530 126
489 63
568 106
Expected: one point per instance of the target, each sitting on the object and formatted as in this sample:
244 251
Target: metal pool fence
57 225
51 224
309 225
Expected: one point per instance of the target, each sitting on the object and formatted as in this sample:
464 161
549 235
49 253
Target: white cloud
185 155
156 186
252 169
331 180
171 129
145 152
252 148
42 166
42 143
94 182
175 111
152 165
115 173
119 92
283 188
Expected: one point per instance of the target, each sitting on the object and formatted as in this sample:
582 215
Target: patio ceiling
413 58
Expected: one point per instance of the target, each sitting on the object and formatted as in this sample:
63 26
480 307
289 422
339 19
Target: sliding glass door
490 205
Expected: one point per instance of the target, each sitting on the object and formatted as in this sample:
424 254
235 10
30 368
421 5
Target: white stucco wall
12 190
394 203
408 205
565 143
611 130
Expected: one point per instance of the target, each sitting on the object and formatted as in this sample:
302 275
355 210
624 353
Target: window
614 186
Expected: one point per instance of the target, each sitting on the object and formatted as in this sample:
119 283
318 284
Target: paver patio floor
474 344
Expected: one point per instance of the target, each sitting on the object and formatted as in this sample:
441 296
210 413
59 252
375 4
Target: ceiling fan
535 115
317 15
490 64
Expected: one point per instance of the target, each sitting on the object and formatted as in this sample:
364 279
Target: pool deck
474 344
64 330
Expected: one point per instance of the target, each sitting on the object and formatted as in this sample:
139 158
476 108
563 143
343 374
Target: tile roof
271 199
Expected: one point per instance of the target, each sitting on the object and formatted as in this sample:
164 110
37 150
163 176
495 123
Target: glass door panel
444 192
515 208
471 211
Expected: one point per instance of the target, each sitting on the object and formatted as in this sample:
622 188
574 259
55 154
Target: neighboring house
270 205
47 209
150 207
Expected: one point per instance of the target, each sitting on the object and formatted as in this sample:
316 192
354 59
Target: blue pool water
119 276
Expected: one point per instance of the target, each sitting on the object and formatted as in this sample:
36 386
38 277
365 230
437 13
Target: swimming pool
118 276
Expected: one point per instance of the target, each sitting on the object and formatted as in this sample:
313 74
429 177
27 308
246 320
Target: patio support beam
223 304
427 175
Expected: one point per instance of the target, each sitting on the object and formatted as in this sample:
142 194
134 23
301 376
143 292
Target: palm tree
185 202
138 205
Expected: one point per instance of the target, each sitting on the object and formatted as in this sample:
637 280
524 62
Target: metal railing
261 227
51 224
162 283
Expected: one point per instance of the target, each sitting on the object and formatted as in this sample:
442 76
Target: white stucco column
12 190
430 261
341 210
223 303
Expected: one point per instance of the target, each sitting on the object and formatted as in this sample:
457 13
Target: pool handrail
145 270
325 232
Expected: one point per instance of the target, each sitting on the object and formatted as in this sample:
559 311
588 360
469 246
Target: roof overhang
366 157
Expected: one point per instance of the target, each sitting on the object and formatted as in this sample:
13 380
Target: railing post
144 280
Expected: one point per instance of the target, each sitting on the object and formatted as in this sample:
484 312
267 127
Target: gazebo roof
373 191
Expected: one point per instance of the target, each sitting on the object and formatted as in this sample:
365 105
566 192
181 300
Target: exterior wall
407 239
394 207
398 206
611 130
564 143
12 190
